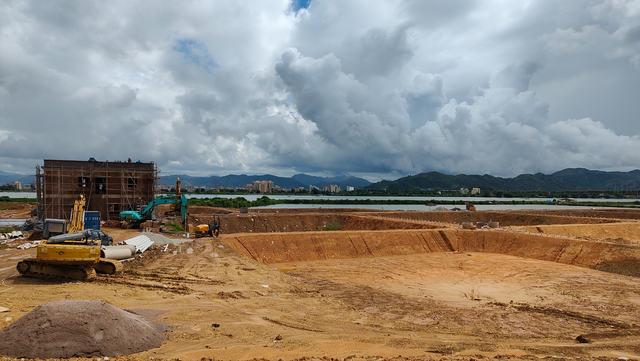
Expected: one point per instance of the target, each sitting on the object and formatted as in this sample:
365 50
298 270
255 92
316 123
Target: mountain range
6 177
233 180
566 179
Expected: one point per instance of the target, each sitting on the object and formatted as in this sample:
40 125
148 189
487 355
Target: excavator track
108 266
32 268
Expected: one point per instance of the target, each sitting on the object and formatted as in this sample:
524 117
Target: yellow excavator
68 251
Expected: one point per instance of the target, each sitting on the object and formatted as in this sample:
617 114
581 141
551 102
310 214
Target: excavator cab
53 227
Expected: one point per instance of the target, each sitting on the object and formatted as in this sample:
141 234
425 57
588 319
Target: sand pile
79 328
159 239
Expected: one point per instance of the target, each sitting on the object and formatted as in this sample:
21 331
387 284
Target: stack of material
141 242
151 225
11 235
31 225
160 239
112 223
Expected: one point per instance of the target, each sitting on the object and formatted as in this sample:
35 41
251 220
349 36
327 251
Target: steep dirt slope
615 232
307 246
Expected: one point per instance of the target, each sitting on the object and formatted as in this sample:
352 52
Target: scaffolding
109 187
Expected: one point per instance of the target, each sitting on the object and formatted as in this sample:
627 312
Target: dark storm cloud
367 88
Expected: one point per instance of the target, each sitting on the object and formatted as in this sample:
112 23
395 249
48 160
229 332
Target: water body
18 194
398 207
11 222
253 197
420 207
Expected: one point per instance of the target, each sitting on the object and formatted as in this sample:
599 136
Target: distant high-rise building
331 188
263 186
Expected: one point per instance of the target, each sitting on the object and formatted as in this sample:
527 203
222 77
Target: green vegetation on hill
576 179
231 202
17 200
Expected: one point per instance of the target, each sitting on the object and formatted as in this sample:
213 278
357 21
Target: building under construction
109 187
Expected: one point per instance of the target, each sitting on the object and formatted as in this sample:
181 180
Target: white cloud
362 87
106 97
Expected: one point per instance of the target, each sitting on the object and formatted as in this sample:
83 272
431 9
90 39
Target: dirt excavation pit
354 285
79 328
311 220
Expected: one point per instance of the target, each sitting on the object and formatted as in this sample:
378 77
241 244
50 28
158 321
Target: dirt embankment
614 232
268 223
278 248
15 210
613 213
504 218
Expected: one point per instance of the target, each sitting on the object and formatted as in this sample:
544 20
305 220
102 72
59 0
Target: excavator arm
76 223
146 213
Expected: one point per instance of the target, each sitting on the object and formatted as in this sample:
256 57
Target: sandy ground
15 210
430 305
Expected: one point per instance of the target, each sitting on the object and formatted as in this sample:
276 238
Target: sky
369 88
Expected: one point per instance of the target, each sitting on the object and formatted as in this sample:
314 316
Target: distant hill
567 179
6 177
233 180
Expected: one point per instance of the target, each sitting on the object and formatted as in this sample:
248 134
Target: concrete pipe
116 252
467 225
131 247
494 224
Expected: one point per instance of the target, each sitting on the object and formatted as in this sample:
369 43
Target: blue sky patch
296 5
195 52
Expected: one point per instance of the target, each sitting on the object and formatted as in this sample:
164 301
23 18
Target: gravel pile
159 239
79 328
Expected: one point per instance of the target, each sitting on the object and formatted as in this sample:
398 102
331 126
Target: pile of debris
79 328
11 236
28 245
31 225
112 224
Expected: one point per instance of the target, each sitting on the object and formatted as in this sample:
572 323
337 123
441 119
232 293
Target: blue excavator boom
147 213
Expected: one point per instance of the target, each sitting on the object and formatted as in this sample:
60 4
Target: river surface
253 197
402 207
11 222
420 207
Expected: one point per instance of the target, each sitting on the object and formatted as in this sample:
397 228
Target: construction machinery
470 206
74 255
211 229
71 255
178 204
76 223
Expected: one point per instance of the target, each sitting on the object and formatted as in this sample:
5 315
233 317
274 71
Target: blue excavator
178 203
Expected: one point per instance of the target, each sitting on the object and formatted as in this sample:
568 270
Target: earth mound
79 328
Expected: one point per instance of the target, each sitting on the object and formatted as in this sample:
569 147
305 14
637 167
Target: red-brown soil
321 284
12 210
